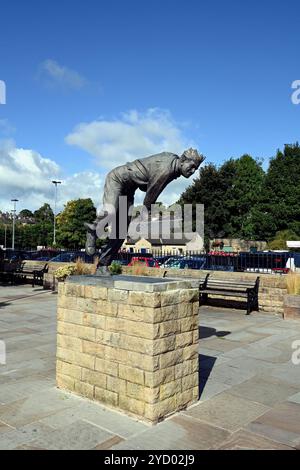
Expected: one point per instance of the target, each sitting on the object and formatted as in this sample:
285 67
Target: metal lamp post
55 203
14 222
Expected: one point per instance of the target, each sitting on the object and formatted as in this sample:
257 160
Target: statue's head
190 161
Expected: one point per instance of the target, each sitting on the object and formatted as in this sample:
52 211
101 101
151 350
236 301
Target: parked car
71 257
16 255
170 261
162 259
144 261
187 263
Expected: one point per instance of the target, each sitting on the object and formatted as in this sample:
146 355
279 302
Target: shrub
115 268
62 273
81 268
293 283
139 269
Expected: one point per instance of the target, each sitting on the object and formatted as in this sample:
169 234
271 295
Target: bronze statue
151 175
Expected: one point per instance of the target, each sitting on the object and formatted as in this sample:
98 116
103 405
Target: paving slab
268 391
79 435
227 411
281 424
179 432
245 440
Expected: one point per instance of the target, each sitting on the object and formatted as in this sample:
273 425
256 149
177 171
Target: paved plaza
250 389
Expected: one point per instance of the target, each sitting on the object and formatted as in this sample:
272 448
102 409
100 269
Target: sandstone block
93 378
117 385
159 377
131 405
78 331
107 367
65 382
69 342
184 339
77 358
95 292
70 370
131 374
117 295
171 358
170 389
106 396
84 389
144 299
92 348
141 393
107 308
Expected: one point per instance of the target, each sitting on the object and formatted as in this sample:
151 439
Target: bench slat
232 293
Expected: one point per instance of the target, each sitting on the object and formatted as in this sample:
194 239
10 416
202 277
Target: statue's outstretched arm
154 189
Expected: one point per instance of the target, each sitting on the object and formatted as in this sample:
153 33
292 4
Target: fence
263 262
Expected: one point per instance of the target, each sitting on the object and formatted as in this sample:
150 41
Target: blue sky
93 84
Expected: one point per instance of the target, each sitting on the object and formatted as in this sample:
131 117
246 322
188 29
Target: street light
14 221
55 202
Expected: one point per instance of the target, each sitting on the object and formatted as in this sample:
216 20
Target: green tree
230 194
44 214
281 192
71 232
207 190
25 213
242 198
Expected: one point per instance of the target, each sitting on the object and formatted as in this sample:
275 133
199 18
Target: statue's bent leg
112 191
111 249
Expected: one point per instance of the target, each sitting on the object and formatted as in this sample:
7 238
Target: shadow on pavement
206 364
207 332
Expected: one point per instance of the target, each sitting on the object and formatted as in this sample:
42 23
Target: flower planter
291 307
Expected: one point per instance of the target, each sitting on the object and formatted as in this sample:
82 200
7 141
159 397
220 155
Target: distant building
171 245
235 245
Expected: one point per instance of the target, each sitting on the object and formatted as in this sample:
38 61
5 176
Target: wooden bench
29 269
231 288
7 270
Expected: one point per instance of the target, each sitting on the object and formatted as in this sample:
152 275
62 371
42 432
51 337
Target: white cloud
53 73
134 135
27 176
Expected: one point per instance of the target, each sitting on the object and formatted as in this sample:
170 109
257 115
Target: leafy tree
26 213
206 189
230 194
243 197
71 232
281 192
44 214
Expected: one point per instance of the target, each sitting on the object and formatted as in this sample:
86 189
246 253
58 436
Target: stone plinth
130 343
291 307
